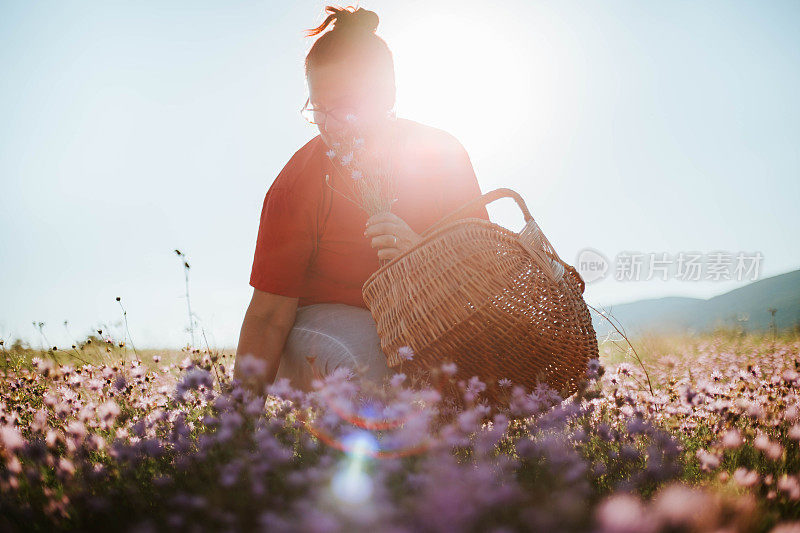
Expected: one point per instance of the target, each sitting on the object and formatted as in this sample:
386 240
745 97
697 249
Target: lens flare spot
351 484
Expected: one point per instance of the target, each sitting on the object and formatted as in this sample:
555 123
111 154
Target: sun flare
469 78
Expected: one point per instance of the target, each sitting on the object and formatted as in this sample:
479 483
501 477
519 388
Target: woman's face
342 89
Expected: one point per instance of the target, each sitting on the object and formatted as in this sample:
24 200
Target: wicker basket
497 303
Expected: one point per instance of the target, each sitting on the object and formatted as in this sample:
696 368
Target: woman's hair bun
347 19
360 19
353 40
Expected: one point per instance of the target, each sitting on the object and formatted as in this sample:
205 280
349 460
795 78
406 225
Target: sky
131 129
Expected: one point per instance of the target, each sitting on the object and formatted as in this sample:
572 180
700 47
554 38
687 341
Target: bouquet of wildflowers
368 170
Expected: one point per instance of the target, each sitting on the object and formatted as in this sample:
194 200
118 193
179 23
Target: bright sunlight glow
478 73
492 86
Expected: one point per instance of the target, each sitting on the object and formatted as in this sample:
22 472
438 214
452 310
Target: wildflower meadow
684 434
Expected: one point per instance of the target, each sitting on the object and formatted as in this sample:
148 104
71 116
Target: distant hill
743 307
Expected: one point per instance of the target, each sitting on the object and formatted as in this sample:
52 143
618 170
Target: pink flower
755 411
14 466
397 380
251 365
790 375
108 412
475 385
449 368
11 438
771 449
405 353
774 451
789 486
76 430
65 466
708 461
787 527
623 513
681 508
732 439
745 477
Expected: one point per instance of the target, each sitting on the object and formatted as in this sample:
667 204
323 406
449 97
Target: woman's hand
390 234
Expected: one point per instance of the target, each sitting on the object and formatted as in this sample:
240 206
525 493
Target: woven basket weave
497 303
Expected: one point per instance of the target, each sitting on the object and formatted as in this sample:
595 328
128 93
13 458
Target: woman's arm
266 325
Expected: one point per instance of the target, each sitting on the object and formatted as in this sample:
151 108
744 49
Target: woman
315 248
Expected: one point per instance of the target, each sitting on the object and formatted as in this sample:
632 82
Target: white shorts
337 335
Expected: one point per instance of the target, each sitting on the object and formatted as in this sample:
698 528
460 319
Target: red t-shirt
311 242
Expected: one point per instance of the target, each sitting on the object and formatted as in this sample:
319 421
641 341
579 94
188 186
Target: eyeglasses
339 114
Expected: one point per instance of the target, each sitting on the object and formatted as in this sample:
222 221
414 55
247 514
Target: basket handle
482 200
530 224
